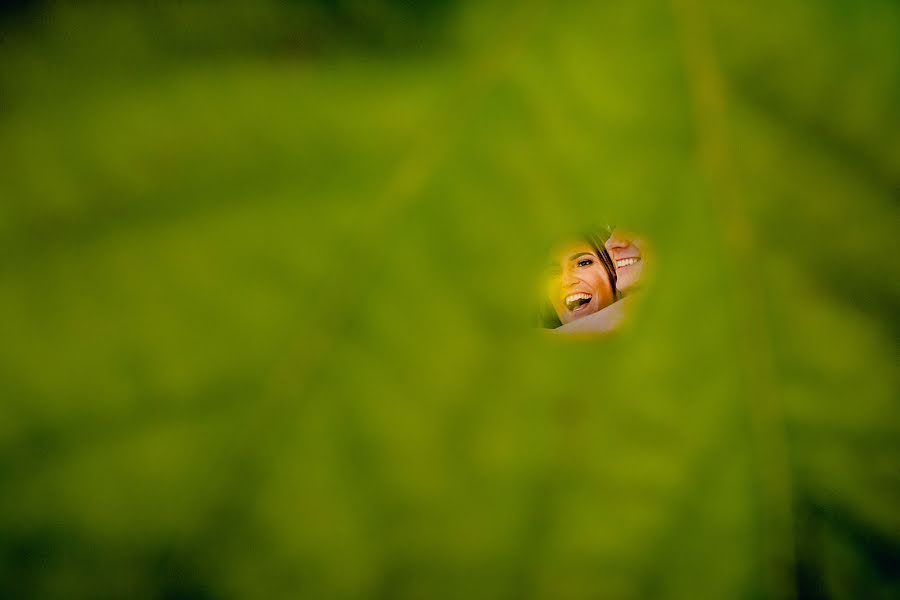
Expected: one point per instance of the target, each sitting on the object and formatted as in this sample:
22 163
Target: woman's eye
585 262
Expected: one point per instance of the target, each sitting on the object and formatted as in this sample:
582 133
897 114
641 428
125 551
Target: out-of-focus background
267 300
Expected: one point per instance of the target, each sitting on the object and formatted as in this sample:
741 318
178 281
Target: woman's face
578 283
625 250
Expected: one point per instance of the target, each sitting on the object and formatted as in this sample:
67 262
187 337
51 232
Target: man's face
578 283
625 250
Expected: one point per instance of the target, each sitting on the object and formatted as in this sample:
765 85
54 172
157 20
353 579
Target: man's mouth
627 262
577 301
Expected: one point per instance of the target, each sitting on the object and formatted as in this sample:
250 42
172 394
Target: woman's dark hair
597 241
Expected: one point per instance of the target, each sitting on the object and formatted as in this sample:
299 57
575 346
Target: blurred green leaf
267 285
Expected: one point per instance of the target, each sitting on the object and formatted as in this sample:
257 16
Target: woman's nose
568 278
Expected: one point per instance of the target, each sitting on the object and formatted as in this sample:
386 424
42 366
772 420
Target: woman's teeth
626 262
578 300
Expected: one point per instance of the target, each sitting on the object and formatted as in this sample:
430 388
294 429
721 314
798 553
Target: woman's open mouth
578 301
627 262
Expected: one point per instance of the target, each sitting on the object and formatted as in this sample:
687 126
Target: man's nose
616 242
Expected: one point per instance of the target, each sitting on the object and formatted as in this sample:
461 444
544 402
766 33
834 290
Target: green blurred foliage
267 282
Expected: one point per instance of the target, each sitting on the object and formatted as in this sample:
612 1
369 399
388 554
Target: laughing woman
581 282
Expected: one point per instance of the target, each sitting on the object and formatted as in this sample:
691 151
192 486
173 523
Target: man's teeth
626 262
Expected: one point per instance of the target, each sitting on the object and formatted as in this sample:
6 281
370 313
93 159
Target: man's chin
628 282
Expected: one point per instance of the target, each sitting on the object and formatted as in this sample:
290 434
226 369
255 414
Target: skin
576 268
603 321
624 247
